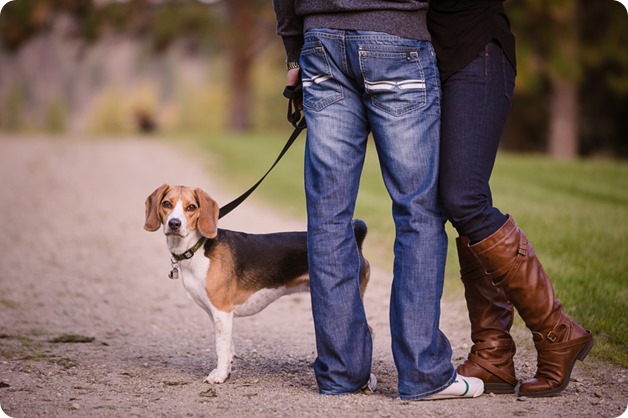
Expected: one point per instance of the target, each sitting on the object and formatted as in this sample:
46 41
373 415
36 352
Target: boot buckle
523 249
551 336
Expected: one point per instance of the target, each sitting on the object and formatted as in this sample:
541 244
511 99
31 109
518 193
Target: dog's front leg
223 326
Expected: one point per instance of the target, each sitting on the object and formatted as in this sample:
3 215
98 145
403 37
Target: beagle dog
227 273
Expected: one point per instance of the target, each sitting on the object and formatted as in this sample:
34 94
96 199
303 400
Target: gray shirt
405 18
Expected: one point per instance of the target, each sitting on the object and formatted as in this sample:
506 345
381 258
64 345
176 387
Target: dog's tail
360 230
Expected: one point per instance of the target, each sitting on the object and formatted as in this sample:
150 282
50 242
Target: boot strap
469 276
486 365
504 272
474 358
510 269
547 345
491 344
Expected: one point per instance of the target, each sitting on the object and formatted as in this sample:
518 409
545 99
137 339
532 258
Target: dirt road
90 326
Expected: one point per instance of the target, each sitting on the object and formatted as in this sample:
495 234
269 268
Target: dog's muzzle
173 227
174 224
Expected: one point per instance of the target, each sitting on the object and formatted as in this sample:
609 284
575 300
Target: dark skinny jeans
475 104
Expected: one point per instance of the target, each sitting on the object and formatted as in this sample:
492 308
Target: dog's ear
208 218
153 221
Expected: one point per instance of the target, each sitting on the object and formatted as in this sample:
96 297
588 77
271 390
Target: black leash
294 94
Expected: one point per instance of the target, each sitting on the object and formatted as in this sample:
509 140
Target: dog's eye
166 204
191 208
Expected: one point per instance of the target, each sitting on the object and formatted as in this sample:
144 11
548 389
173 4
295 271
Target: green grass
574 213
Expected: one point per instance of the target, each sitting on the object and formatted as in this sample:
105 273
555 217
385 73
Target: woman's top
461 29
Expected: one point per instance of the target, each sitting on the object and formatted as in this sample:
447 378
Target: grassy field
574 213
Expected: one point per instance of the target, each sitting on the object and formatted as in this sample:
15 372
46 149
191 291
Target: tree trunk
240 92
563 123
243 21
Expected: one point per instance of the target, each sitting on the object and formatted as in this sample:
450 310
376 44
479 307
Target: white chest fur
193 275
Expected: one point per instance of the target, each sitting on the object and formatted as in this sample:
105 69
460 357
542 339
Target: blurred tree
564 75
572 81
162 22
604 88
251 28
239 28
22 20
561 43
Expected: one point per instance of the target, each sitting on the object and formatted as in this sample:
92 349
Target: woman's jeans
354 83
476 101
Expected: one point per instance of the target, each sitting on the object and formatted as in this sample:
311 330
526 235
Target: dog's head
181 210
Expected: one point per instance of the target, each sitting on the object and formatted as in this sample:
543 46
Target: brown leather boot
559 340
491 316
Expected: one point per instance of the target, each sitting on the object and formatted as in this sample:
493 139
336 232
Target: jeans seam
345 58
486 58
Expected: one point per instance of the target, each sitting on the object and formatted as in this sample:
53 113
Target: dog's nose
174 224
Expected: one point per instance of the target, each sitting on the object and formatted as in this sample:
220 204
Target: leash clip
174 273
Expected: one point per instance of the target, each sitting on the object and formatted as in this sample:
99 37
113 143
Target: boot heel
584 351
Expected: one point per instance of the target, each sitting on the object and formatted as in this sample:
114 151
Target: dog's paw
216 376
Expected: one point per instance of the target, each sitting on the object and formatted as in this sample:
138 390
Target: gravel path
90 326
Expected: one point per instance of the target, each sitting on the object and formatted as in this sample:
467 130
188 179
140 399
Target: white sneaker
463 387
371 385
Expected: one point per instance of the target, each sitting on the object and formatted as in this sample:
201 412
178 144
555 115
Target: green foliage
575 215
11 116
56 116
112 115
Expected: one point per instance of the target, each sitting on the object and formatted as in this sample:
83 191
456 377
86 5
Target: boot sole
582 354
498 388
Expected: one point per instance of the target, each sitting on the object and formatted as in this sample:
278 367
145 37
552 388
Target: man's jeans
355 83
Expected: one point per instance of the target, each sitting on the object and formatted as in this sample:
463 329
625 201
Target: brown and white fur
234 273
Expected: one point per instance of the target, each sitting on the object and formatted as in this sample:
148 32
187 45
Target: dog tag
174 273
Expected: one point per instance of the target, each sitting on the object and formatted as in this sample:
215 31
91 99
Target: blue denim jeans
355 83
476 101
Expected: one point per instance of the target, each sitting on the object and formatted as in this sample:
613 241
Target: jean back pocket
320 89
393 77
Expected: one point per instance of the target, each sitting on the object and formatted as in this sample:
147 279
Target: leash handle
294 94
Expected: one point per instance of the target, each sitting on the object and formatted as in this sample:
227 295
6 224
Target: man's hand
294 93
293 77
